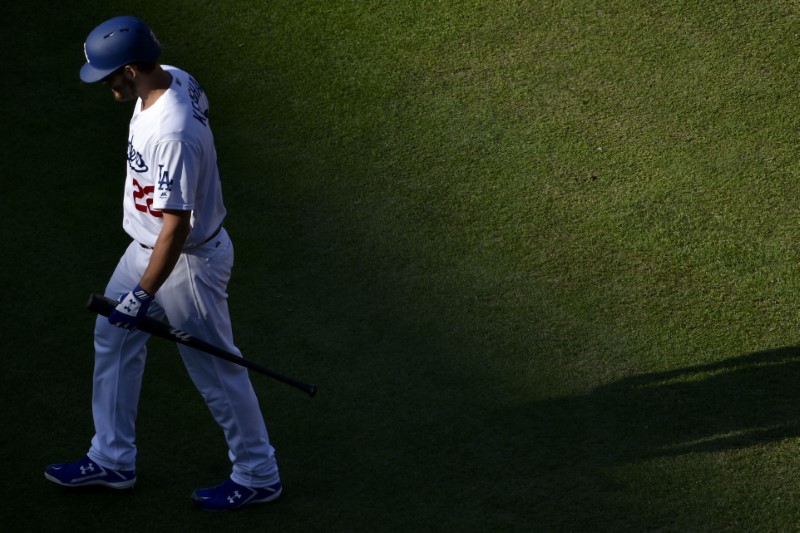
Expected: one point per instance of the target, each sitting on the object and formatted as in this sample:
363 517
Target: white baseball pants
194 299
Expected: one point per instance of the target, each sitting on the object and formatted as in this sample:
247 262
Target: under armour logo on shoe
87 468
235 495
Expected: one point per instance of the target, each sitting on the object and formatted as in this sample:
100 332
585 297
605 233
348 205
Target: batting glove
131 308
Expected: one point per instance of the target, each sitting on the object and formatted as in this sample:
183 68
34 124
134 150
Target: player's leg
119 364
120 356
195 300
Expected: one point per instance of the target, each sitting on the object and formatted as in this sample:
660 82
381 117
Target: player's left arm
169 245
168 248
175 183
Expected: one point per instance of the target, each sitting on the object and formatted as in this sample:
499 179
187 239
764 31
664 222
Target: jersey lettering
195 92
135 159
143 199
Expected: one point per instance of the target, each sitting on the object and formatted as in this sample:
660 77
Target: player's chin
120 96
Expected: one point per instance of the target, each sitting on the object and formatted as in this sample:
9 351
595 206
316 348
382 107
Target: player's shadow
740 402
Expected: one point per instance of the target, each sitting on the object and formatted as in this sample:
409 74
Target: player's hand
131 308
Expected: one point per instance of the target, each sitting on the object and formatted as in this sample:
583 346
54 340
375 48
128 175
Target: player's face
122 86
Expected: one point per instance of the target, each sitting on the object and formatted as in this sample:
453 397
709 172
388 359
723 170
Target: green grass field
540 257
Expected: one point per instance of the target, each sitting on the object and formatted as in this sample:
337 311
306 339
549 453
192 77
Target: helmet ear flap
116 43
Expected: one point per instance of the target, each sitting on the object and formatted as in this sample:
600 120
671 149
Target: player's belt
216 232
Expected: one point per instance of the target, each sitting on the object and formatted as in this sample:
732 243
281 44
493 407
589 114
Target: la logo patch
164 181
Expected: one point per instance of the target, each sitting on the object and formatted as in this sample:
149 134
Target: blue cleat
230 495
86 472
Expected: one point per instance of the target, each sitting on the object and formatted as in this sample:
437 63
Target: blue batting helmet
116 43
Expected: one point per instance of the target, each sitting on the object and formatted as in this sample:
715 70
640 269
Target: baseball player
177 265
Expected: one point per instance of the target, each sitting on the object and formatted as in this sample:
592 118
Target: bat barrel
105 306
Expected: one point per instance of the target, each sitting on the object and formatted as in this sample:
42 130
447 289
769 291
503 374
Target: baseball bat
104 306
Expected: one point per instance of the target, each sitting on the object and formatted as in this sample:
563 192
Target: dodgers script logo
135 159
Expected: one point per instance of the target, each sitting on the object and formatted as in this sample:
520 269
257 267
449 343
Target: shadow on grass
736 403
570 449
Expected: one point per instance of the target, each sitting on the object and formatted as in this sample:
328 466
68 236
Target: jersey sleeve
176 173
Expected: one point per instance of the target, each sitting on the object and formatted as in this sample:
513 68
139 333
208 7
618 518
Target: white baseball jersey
172 164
